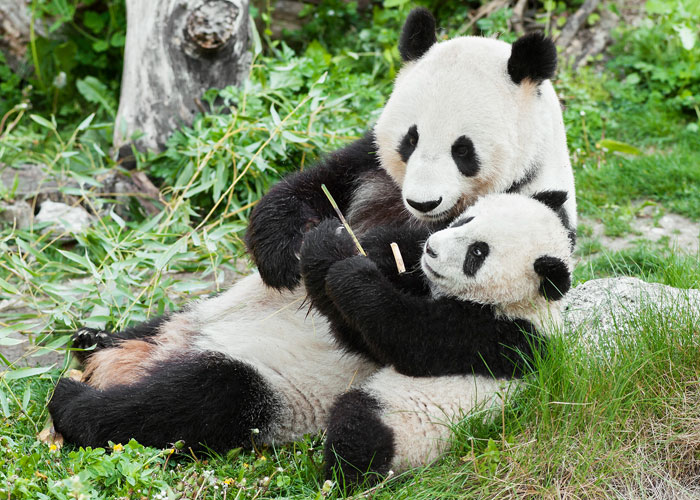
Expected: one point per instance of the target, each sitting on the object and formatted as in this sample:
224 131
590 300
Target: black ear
556 279
533 56
552 198
417 35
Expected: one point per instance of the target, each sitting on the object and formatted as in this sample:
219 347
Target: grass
597 420
619 419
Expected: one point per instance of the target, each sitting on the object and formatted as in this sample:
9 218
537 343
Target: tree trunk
175 50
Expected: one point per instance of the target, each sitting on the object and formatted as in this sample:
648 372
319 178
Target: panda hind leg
207 400
359 447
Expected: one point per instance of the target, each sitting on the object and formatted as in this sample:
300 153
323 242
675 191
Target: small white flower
583 113
255 431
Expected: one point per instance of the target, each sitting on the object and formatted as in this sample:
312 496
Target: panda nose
424 206
431 253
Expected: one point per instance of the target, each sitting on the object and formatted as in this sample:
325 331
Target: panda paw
328 243
90 340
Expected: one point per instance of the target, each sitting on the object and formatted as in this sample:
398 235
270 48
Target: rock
18 214
597 307
29 182
68 219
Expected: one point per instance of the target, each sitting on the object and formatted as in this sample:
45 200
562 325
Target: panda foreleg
206 399
297 204
395 422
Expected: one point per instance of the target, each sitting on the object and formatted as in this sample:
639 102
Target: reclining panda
467 117
464 318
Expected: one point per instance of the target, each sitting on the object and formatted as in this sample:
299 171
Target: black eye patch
476 254
462 222
464 155
408 143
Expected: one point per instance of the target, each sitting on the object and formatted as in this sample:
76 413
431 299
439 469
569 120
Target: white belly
287 343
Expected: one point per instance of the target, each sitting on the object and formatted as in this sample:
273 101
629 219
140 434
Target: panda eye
408 143
465 157
461 151
476 255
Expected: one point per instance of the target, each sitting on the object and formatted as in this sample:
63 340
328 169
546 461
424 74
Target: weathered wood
175 50
15 19
575 22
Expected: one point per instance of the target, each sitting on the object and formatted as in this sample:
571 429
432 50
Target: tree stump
175 51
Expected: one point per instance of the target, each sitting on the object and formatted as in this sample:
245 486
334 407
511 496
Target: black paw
326 244
91 340
359 445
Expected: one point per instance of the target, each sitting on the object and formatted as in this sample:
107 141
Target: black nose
431 253
424 206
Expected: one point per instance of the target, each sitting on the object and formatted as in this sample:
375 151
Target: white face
487 255
456 127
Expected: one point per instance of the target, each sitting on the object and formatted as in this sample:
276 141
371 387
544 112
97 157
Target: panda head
466 116
507 250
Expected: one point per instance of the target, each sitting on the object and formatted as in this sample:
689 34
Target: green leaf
43 122
389 4
4 404
97 92
27 372
618 147
86 122
94 21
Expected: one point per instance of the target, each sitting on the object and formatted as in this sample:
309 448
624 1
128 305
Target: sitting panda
493 278
467 117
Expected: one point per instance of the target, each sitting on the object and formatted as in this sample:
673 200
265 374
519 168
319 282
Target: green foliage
84 40
659 59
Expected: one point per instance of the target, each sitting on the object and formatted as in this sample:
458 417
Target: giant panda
251 357
494 277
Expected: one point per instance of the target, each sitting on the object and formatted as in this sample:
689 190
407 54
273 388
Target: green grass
595 421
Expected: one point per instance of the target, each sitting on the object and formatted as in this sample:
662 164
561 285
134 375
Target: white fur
461 87
518 230
292 350
421 410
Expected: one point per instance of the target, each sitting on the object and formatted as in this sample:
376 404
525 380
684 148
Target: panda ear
418 34
533 56
553 199
556 279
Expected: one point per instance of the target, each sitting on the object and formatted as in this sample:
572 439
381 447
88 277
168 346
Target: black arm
420 336
297 204
330 242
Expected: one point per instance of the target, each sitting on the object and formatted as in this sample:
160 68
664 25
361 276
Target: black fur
462 221
476 255
417 35
330 242
464 155
408 143
555 200
529 176
556 279
533 56
436 336
203 399
297 204
357 440
86 338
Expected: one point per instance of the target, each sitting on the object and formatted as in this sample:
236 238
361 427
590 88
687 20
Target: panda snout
424 206
429 250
